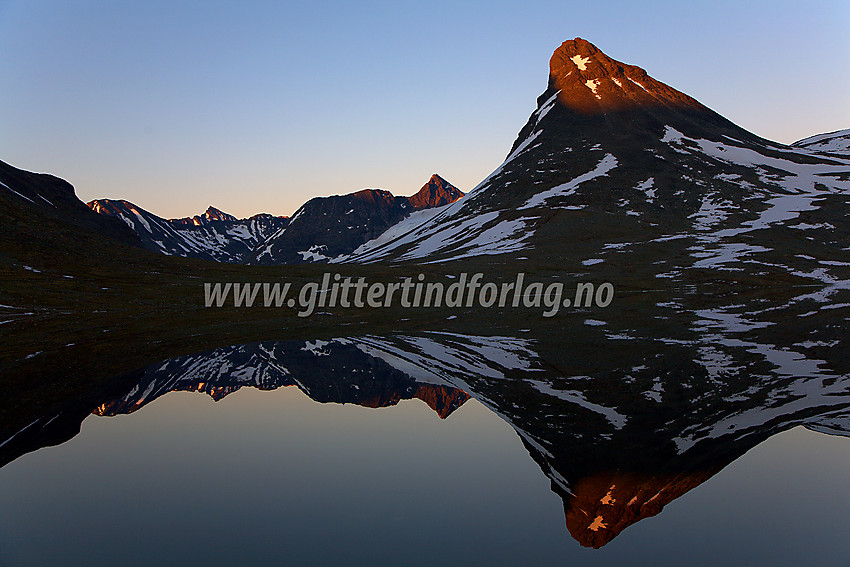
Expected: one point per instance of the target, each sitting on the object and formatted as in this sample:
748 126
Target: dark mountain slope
328 227
215 235
620 172
49 196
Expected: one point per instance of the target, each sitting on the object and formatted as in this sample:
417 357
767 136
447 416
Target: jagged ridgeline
323 228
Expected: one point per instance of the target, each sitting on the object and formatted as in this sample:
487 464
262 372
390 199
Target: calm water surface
692 429
275 477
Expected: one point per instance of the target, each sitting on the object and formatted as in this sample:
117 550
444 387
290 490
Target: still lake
424 450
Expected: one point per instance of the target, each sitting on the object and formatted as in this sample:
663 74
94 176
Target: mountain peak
215 214
590 82
436 192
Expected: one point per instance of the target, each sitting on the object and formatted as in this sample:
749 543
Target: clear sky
258 106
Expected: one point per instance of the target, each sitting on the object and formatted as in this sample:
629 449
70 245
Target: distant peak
267 216
437 181
215 214
436 192
112 207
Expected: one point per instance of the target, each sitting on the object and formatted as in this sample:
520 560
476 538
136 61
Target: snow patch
314 254
580 62
648 188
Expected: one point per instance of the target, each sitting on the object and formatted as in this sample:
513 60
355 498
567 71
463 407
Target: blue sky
258 106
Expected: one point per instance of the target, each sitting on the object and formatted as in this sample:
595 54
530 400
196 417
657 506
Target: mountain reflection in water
619 434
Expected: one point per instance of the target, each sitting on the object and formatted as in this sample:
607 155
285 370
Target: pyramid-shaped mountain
619 171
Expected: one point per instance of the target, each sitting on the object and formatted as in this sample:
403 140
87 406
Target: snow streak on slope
443 229
442 357
451 233
608 163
